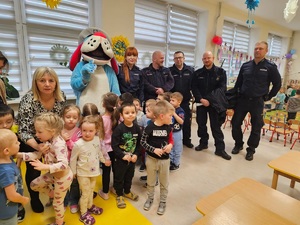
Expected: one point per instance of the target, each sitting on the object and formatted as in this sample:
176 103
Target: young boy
9 178
177 122
7 119
139 112
158 142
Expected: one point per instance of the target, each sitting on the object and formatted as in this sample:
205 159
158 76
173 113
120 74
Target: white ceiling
269 9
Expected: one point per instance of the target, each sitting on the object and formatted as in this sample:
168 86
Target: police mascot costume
94 68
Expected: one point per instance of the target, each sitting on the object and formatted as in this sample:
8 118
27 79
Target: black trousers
30 173
215 125
255 107
106 172
186 128
123 174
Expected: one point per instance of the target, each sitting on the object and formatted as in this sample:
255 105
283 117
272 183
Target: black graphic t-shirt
126 140
156 137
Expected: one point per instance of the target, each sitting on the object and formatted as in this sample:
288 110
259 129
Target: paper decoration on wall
251 5
290 10
52 4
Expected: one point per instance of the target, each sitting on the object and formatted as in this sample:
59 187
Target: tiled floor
202 173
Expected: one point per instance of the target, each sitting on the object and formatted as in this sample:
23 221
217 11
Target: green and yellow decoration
119 44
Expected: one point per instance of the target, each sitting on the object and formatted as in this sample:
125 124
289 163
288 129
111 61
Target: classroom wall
294 73
118 19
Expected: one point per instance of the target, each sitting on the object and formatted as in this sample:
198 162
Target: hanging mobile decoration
290 10
251 5
52 4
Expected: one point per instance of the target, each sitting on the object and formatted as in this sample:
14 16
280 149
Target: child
109 103
158 142
164 96
125 143
71 133
150 103
7 118
84 163
57 178
279 99
92 109
177 122
139 114
9 178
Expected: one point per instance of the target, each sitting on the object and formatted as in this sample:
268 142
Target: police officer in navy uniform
182 74
205 81
157 78
253 86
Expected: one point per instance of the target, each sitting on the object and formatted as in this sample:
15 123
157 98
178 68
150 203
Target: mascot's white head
94 44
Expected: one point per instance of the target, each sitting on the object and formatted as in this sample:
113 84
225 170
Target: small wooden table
287 165
239 210
260 194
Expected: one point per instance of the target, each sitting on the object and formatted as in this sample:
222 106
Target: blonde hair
90 119
177 95
53 121
90 109
3 91
150 102
6 136
70 107
162 107
38 74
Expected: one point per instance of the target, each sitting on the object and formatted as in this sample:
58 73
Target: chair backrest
281 127
294 124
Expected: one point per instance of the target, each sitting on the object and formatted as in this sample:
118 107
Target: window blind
165 27
235 49
33 35
275 43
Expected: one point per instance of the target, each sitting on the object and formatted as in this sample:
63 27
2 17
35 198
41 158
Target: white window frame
235 49
34 37
165 27
274 45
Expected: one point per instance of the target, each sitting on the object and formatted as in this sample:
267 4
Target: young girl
126 146
71 133
57 177
109 102
84 164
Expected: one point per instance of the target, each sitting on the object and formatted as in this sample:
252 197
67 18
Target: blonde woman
45 96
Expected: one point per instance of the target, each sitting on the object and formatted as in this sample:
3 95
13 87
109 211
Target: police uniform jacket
182 81
136 84
161 78
205 81
254 79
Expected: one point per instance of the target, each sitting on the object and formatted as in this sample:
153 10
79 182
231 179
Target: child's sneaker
174 168
161 208
95 210
131 196
120 202
74 208
113 190
148 204
103 195
87 219
21 213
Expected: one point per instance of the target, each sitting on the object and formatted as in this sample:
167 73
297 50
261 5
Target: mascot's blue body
95 75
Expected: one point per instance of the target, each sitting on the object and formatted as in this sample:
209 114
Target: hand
65 136
204 102
168 148
133 158
107 163
38 165
44 148
25 200
127 158
159 152
87 70
159 91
